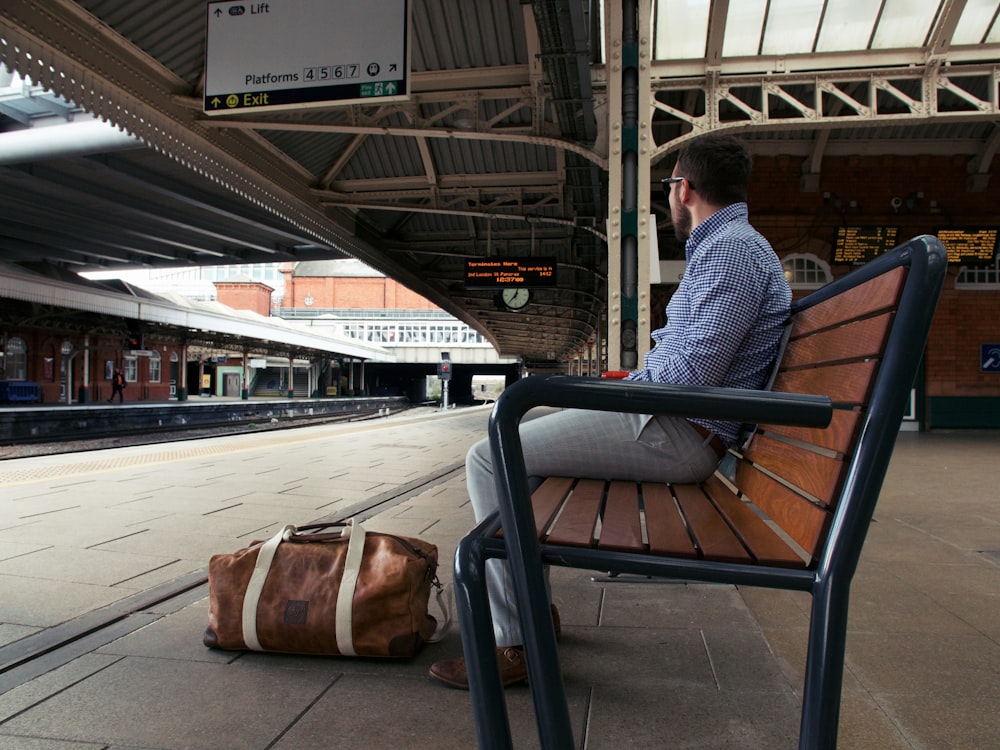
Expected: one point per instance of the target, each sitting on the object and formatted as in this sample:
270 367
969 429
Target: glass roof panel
681 29
802 27
744 26
994 36
791 26
904 23
847 25
977 21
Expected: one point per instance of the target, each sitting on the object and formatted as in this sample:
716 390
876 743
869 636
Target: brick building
345 284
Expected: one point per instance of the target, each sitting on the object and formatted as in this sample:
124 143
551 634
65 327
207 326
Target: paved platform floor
95 546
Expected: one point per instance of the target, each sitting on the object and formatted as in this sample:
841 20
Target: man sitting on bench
724 325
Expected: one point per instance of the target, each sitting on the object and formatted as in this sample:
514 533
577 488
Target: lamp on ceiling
464 119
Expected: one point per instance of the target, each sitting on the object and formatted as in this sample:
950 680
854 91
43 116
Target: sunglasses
671 180
668 181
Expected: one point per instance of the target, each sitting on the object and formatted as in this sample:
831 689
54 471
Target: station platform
25 424
103 557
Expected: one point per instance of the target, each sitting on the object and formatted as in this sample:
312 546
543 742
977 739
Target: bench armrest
730 404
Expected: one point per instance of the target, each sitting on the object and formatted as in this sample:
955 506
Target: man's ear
686 194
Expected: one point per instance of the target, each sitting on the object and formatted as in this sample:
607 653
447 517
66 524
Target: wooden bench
792 514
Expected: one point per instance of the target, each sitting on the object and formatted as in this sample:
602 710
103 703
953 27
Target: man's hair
718 166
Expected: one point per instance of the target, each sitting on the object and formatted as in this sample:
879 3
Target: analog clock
515 297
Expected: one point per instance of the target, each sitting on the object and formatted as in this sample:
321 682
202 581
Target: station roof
347 268
64 301
501 149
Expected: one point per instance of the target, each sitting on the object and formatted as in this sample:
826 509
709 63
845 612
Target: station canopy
501 148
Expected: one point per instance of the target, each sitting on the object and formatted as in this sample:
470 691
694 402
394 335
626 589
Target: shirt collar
732 212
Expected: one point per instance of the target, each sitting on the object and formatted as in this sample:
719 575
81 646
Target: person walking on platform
118 383
724 326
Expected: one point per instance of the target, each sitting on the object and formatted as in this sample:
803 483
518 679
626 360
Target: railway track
173 433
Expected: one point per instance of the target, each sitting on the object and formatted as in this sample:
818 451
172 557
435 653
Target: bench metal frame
828 580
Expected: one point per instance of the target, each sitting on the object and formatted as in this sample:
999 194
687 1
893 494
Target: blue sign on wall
989 357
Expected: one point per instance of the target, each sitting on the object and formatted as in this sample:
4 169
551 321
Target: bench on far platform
791 514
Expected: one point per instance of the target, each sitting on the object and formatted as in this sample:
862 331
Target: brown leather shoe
510 659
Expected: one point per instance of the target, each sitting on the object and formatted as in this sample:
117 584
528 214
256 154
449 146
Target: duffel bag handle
345 597
265 556
355 533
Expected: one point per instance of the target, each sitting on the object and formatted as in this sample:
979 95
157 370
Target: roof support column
628 43
182 388
245 390
85 383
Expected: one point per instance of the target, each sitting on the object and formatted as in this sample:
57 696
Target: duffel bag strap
443 596
264 558
345 597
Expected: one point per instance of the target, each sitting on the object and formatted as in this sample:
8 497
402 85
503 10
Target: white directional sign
283 54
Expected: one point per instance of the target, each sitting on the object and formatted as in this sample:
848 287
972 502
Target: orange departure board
970 245
862 244
496 273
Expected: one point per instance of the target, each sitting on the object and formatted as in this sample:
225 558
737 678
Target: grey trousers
582 443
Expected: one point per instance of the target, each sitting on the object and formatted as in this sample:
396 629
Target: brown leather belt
715 443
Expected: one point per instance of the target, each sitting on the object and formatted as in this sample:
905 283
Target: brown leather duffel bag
309 591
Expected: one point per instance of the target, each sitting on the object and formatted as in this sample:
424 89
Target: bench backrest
858 341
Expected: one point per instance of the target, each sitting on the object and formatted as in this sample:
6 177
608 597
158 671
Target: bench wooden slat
620 526
814 473
838 437
762 541
547 498
578 519
713 536
802 520
844 384
865 299
665 528
856 340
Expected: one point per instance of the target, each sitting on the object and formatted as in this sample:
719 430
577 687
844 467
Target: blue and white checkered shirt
725 320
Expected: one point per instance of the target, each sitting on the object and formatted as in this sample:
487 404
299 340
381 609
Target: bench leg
824 667
544 672
486 690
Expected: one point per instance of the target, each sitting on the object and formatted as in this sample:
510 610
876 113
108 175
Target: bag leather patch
296 612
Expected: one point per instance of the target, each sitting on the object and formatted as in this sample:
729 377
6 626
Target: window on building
15 360
806 271
154 367
471 336
379 332
979 277
131 368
